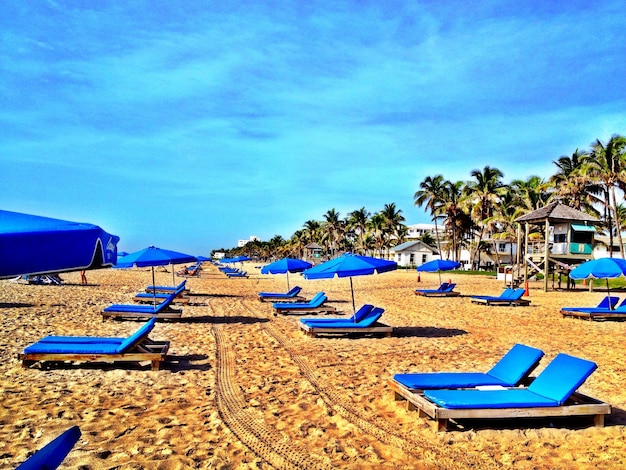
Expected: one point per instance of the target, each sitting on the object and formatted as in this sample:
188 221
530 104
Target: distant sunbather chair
237 274
136 348
152 297
52 454
601 312
289 296
315 305
444 290
161 310
512 297
511 370
364 321
551 394
167 289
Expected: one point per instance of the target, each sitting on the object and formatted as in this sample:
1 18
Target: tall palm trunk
617 223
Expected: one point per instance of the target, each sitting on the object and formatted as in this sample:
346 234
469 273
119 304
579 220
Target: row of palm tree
487 207
467 213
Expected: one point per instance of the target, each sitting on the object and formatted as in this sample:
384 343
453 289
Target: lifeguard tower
567 241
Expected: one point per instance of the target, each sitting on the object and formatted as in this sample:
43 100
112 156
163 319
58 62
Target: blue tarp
31 244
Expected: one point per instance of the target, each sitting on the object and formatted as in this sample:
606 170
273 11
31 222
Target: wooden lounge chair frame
577 405
168 313
376 328
613 315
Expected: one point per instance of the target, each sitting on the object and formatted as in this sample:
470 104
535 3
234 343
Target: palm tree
357 220
393 225
335 228
431 195
607 164
311 231
457 222
482 196
531 194
377 230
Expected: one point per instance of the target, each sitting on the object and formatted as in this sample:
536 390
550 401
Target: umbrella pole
352 290
287 281
439 272
609 293
153 289
173 280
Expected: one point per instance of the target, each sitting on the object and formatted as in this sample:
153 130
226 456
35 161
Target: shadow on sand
426 332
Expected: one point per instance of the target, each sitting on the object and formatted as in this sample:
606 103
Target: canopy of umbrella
286 266
31 244
438 265
153 256
350 265
601 268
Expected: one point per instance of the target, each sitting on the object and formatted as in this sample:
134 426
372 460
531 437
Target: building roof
417 244
556 211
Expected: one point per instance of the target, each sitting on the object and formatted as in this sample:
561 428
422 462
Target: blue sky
190 125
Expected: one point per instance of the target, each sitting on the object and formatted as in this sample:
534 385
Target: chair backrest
516 294
516 364
361 313
166 301
372 317
182 284
562 377
443 286
507 293
295 290
318 299
609 301
136 337
450 287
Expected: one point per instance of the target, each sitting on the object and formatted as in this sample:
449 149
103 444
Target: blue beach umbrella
31 244
153 256
286 266
601 268
350 265
438 265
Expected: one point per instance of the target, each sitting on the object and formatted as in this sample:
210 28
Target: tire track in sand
264 441
369 422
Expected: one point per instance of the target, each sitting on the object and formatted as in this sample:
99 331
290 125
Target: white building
413 253
252 238
416 231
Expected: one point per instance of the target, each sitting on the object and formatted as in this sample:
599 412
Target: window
424 258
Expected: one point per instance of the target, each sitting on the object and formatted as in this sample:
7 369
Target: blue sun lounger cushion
551 388
358 316
606 304
167 288
316 301
65 345
291 293
509 371
367 321
52 454
135 308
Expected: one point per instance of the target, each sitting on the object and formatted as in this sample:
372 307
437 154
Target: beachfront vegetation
467 213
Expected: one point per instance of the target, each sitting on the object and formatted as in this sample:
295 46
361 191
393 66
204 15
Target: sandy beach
245 389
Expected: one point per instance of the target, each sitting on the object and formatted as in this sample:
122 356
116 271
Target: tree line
468 213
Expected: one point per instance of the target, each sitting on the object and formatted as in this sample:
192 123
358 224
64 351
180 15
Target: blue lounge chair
444 290
367 323
52 454
601 312
607 303
161 310
237 274
135 348
315 305
359 315
289 296
511 297
167 289
158 297
551 394
511 370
